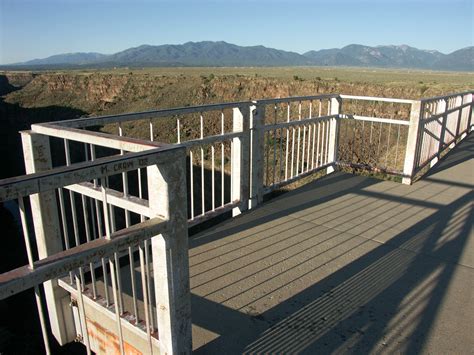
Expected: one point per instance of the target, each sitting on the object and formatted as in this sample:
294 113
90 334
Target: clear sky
40 28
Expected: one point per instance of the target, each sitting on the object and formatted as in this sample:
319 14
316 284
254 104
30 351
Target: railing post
257 149
444 120
336 107
167 198
471 107
240 155
459 102
412 143
44 210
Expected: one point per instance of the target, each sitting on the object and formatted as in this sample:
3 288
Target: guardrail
442 121
115 194
82 243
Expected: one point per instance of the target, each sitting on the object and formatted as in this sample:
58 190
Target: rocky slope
29 98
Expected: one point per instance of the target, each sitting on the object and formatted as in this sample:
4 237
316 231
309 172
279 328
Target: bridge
181 237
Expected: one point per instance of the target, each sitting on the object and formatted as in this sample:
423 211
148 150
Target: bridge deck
346 264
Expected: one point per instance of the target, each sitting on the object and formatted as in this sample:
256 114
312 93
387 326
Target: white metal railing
442 121
82 243
100 197
374 143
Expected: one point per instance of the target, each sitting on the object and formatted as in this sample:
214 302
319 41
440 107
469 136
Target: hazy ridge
220 54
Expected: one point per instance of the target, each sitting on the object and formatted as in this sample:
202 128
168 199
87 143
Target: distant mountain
208 54
381 56
68 58
225 54
462 59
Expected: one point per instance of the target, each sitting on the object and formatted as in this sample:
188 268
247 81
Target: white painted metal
333 139
379 99
375 119
257 148
37 155
240 168
167 196
412 143
169 288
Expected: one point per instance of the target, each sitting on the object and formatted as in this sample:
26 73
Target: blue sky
39 28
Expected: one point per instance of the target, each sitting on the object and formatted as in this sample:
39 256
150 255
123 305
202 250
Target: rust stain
107 342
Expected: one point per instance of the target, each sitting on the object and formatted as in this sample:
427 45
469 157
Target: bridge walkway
346 264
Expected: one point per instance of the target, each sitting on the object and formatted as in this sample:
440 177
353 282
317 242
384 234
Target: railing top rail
113 141
373 98
446 96
295 98
101 120
84 122
20 186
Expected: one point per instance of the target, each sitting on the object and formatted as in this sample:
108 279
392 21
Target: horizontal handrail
303 121
447 112
375 119
97 138
373 98
218 138
295 98
114 198
20 186
445 96
59 264
102 120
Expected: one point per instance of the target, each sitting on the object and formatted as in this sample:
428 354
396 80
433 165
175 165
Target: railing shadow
385 297
460 154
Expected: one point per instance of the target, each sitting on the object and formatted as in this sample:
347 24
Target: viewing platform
287 225
345 264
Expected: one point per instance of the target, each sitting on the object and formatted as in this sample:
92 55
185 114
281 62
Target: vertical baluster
303 150
321 155
274 144
310 139
113 228
152 135
64 225
317 145
88 239
298 143
114 271
362 143
292 151
380 140
222 162
287 142
280 172
31 265
203 201
213 179
370 141
231 168
130 249
388 144
327 142
178 129
145 296
191 182
99 231
148 264
267 157
73 207
82 314
396 149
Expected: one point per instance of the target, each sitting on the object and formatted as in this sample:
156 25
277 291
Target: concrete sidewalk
346 264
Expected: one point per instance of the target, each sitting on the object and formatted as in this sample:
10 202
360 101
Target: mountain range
209 53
